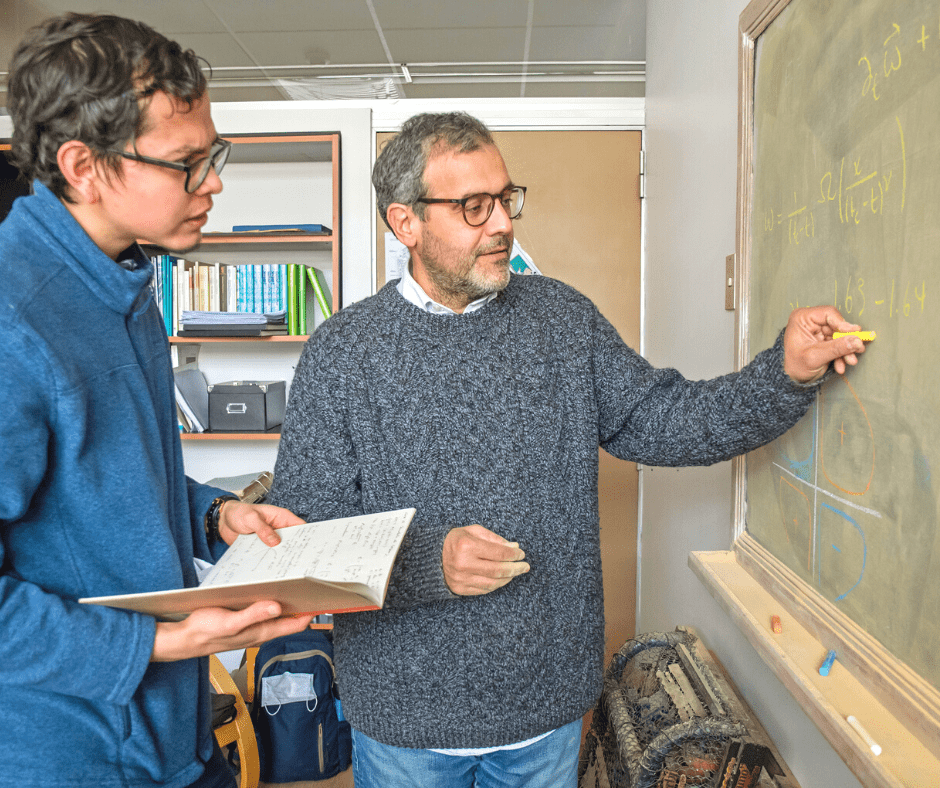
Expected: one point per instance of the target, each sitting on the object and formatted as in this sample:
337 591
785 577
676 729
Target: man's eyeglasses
198 171
477 208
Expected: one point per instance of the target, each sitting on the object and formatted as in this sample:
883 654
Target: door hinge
729 282
642 174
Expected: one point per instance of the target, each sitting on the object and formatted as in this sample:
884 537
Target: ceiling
297 49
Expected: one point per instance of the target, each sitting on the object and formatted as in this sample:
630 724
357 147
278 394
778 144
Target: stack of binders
232 324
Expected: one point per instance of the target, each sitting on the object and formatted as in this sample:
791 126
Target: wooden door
581 224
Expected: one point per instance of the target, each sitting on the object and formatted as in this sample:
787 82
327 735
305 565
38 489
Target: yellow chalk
865 336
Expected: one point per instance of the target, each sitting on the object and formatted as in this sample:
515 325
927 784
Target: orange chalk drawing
841 430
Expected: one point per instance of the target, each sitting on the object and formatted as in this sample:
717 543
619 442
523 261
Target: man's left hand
809 347
262 519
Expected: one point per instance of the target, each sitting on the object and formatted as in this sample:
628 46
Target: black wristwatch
212 516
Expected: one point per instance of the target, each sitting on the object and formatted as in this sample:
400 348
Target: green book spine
292 299
313 275
301 300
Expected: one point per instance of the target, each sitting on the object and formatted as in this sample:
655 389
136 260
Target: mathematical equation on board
852 298
877 70
858 191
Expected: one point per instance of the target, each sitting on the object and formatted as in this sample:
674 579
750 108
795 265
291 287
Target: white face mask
287 688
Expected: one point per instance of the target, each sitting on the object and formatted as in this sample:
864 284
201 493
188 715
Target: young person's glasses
198 171
477 208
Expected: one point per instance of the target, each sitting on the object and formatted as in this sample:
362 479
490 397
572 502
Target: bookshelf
279 179
270 178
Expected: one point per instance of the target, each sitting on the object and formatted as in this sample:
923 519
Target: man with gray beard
481 398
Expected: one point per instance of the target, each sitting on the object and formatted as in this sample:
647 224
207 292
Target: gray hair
398 175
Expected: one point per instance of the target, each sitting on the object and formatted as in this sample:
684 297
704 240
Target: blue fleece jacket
94 502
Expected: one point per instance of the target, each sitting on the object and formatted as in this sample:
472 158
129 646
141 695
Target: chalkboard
843 207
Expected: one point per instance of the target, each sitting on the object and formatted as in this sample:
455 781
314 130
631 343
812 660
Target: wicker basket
669 718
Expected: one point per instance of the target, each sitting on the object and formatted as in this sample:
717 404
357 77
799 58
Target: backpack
301 734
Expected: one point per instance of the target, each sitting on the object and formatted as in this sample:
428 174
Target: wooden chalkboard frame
910 698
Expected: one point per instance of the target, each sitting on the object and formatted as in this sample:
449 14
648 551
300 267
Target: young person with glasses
481 398
112 127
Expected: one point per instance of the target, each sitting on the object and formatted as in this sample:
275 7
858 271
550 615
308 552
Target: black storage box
246 405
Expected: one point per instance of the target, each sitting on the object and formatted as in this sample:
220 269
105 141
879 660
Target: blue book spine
268 305
264 288
282 289
307 228
168 294
258 289
240 286
159 277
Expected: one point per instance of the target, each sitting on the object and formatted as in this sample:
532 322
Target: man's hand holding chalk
816 337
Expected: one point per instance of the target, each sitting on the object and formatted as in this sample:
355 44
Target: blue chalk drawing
802 468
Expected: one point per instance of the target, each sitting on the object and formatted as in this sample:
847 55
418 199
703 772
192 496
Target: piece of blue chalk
827 663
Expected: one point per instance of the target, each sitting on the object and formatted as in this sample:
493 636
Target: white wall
355 127
691 143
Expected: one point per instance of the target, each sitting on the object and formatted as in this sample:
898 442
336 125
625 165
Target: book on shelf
184 284
231 288
257 289
301 300
222 287
214 287
232 324
267 279
204 291
283 300
183 287
192 397
332 566
174 290
163 291
292 299
191 318
232 330
184 424
319 290
282 229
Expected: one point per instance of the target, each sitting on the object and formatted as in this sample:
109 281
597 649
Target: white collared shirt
414 294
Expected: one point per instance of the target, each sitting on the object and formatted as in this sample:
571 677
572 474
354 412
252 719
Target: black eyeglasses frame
462 202
218 155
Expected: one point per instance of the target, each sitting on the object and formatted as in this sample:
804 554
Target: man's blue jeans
551 762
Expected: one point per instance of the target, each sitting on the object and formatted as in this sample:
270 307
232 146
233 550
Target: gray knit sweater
494 418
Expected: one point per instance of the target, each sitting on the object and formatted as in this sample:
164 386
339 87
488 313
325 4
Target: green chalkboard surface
845 210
